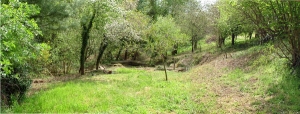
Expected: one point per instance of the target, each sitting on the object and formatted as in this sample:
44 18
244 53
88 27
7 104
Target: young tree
86 28
95 16
156 8
163 35
193 22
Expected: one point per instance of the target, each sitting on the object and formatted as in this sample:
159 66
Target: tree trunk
250 35
256 35
173 63
102 48
64 67
82 52
195 45
85 37
164 62
136 54
295 45
126 54
175 48
221 41
295 59
68 67
192 46
165 71
232 38
193 42
119 53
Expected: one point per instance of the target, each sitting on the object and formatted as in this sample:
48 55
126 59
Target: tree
127 31
275 19
123 31
54 21
193 22
163 35
216 26
96 15
155 8
18 49
86 28
50 19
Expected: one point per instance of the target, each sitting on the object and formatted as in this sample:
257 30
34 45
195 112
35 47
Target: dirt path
228 99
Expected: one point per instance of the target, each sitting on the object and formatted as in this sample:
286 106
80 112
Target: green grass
271 85
270 78
128 91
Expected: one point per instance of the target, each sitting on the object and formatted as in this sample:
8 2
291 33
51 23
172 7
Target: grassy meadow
128 91
251 79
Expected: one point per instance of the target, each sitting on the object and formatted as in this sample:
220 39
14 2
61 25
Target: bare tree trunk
295 59
85 37
165 71
119 53
173 63
136 54
193 41
64 66
232 38
175 48
221 41
68 67
165 60
193 48
126 54
195 45
102 48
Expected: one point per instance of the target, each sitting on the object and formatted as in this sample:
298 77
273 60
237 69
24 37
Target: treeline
269 20
56 37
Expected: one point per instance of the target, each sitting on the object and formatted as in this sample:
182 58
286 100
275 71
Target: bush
18 49
13 88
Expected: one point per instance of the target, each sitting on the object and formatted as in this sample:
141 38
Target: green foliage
17 32
275 19
192 20
64 52
18 49
50 19
164 34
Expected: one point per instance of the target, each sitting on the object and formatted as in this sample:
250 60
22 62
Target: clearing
249 80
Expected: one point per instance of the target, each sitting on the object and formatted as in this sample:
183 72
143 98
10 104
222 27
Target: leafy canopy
164 34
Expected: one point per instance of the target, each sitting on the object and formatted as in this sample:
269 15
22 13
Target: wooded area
59 37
